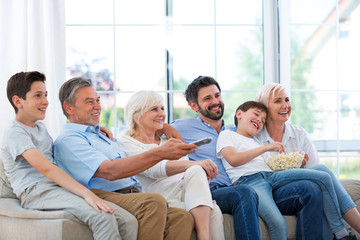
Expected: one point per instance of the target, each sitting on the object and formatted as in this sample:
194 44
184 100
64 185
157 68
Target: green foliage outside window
303 113
107 117
250 75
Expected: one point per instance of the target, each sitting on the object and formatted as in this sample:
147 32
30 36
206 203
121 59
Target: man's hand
174 149
169 132
106 132
209 167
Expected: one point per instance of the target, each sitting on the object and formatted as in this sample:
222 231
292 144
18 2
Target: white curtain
32 37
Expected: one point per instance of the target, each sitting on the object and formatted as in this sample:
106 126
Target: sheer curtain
33 38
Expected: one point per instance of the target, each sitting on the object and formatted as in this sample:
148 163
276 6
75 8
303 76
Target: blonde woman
295 139
183 183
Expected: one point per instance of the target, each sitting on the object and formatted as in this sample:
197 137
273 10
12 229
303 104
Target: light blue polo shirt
80 150
193 129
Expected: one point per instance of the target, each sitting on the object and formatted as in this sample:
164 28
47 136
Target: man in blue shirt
99 164
302 198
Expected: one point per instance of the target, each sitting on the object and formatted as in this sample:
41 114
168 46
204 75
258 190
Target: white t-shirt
240 143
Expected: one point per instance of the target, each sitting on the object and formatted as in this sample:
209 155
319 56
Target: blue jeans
242 203
344 199
303 199
265 182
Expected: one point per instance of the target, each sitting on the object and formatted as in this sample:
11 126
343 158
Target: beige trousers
156 220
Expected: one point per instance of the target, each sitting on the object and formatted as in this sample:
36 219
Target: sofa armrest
19 223
352 187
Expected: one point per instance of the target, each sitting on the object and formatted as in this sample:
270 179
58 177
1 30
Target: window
124 48
306 45
320 41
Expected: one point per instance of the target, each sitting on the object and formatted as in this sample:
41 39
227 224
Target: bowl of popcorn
285 161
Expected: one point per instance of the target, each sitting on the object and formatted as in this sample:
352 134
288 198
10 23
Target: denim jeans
265 182
300 198
242 203
303 199
344 199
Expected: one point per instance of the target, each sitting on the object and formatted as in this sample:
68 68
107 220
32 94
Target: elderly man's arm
130 166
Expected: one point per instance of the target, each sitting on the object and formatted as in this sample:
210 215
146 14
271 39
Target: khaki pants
156 220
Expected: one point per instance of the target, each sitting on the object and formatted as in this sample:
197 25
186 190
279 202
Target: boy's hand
97 203
275 147
169 132
106 132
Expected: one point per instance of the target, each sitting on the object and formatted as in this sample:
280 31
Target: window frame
276 67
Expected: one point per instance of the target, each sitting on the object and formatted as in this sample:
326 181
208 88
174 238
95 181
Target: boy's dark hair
68 90
191 92
249 105
20 83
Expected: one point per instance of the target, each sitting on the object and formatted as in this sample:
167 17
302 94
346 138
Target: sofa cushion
6 190
290 228
19 223
11 208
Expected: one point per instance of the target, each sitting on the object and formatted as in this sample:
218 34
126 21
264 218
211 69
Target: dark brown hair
250 105
20 83
191 92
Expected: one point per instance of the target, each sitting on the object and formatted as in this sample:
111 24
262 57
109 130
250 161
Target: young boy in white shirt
29 165
245 163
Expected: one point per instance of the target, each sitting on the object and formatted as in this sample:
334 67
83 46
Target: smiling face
250 122
33 107
279 107
153 119
87 107
210 104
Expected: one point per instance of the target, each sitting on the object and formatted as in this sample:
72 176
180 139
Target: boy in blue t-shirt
29 165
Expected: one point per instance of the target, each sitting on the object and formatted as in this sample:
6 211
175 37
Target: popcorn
285 161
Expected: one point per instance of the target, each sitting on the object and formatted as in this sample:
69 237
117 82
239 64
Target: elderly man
99 164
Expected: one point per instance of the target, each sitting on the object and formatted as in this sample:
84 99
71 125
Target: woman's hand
275 147
306 158
106 132
209 167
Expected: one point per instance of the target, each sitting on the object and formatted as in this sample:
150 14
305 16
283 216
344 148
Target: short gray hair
139 103
264 92
68 90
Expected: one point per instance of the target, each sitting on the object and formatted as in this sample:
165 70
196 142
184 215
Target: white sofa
19 223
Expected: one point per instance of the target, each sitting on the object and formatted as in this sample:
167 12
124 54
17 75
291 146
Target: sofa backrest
6 190
352 187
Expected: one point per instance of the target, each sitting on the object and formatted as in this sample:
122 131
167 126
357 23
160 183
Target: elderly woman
296 139
183 183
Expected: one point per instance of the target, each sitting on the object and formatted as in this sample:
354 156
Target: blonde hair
264 92
139 103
